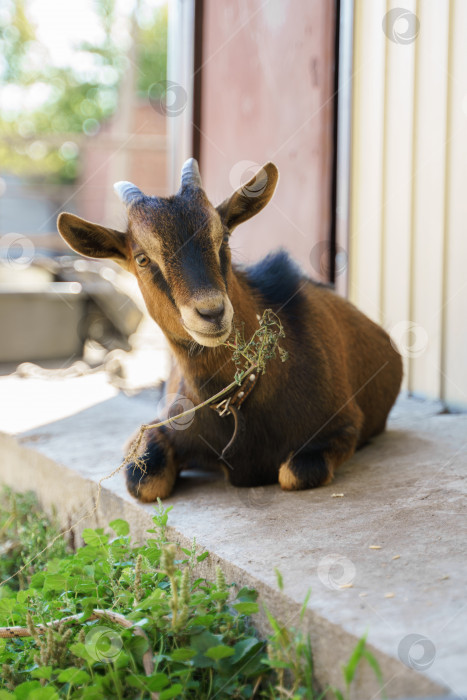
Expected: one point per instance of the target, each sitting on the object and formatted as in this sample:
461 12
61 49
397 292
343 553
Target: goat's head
178 248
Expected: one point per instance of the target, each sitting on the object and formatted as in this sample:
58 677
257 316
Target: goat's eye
226 238
142 260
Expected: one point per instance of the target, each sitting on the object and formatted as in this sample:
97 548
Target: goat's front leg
152 474
314 464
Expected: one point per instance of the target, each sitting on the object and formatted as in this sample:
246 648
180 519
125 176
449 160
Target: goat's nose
211 310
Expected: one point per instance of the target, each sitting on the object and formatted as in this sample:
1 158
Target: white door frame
344 124
180 73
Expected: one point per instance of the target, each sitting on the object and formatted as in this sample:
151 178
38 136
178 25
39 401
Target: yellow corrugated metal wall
408 198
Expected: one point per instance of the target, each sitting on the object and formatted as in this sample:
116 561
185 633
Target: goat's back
362 352
335 350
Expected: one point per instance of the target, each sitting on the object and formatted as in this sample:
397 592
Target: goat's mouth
209 339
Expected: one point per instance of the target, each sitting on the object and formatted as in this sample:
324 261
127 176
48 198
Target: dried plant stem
14 632
151 426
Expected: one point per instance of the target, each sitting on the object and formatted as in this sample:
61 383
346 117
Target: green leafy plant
199 635
349 669
118 620
290 657
24 531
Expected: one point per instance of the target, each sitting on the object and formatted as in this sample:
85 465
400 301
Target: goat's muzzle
208 317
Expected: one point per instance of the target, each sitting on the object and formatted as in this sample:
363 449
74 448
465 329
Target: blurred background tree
151 47
48 106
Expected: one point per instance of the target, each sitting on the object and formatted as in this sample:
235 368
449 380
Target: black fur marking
155 461
279 280
224 259
194 266
309 467
161 283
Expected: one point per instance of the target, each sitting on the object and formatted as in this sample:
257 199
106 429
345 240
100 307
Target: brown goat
304 417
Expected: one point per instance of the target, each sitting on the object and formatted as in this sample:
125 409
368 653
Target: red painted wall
267 94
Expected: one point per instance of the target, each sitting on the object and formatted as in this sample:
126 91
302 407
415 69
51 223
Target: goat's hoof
287 479
147 487
152 475
302 472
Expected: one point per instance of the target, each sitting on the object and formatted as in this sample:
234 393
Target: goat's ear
92 240
249 199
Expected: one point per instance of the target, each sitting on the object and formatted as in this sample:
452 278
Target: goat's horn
190 175
127 192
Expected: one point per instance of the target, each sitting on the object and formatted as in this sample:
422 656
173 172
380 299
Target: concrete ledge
404 494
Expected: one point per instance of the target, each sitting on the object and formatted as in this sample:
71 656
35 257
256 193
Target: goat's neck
207 370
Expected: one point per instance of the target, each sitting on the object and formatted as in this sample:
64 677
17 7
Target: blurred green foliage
41 102
152 50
